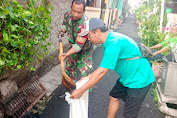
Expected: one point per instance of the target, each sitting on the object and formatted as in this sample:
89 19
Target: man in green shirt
79 49
120 54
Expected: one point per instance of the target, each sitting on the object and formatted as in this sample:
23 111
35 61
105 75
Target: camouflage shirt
77 25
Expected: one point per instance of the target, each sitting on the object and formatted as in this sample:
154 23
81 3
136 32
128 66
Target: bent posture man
136 74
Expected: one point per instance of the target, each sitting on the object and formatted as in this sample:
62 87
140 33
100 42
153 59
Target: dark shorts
132 97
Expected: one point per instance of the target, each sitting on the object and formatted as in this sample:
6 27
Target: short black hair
102 29
79 2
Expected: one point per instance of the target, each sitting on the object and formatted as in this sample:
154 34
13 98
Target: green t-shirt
133 73
168 41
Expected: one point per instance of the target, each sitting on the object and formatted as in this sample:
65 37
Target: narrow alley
57 107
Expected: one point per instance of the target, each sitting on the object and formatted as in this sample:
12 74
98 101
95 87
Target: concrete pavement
51 80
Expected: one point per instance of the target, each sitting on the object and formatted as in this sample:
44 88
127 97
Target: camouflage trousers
77 61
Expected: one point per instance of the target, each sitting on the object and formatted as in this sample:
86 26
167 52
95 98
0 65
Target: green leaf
27 13
27 30
4 50
2 15
6 11
13 43
16 25
5 36
32 68
46 36
48 43
11 15
13 28
10 8
11 62
28 45
15 2
28 21
1 63
2 8
19 66
22 57
15 36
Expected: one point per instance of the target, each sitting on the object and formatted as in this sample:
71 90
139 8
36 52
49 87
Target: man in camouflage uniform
79 49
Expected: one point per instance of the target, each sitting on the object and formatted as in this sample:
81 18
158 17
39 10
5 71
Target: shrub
148 15
24 32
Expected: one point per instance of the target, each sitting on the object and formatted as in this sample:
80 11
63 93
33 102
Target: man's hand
76 94
63 55
62 33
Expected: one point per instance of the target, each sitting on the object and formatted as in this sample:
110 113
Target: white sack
78 107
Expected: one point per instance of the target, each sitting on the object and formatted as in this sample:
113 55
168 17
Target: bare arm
161 51
156 46
75 48
94 78
70 52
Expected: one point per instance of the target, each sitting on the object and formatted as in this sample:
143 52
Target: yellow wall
92 12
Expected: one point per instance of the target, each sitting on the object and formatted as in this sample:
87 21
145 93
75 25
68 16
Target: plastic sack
78 107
